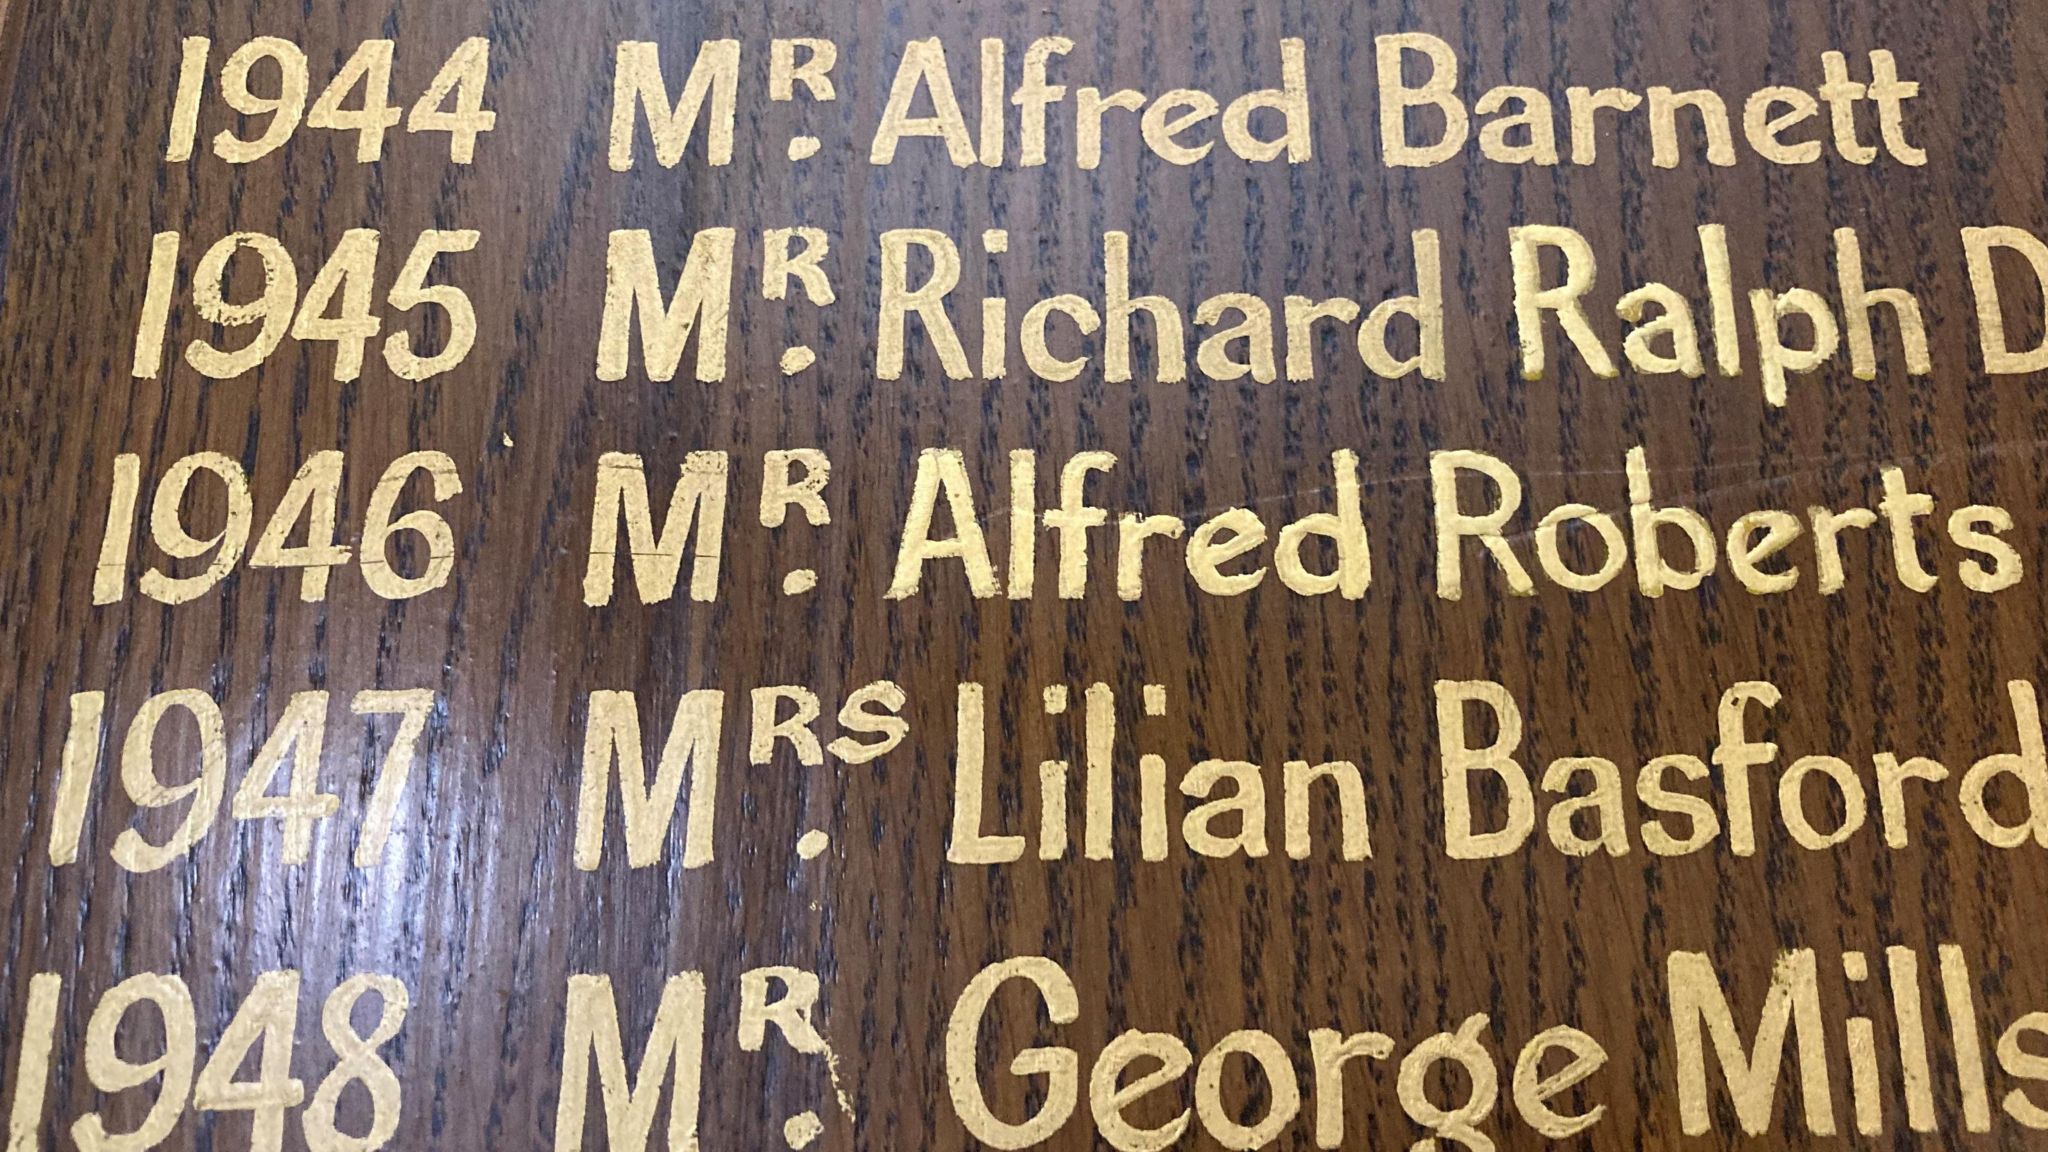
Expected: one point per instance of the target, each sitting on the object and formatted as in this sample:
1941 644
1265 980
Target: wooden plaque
1096 573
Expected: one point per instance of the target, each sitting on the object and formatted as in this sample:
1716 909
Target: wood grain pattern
478 909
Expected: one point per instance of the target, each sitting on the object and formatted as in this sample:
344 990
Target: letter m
612 734
637 84
1793 1001
632 286
657 554
591 1032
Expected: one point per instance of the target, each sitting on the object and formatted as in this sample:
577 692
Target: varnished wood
479 910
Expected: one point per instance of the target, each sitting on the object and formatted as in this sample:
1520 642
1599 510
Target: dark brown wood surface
477 907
